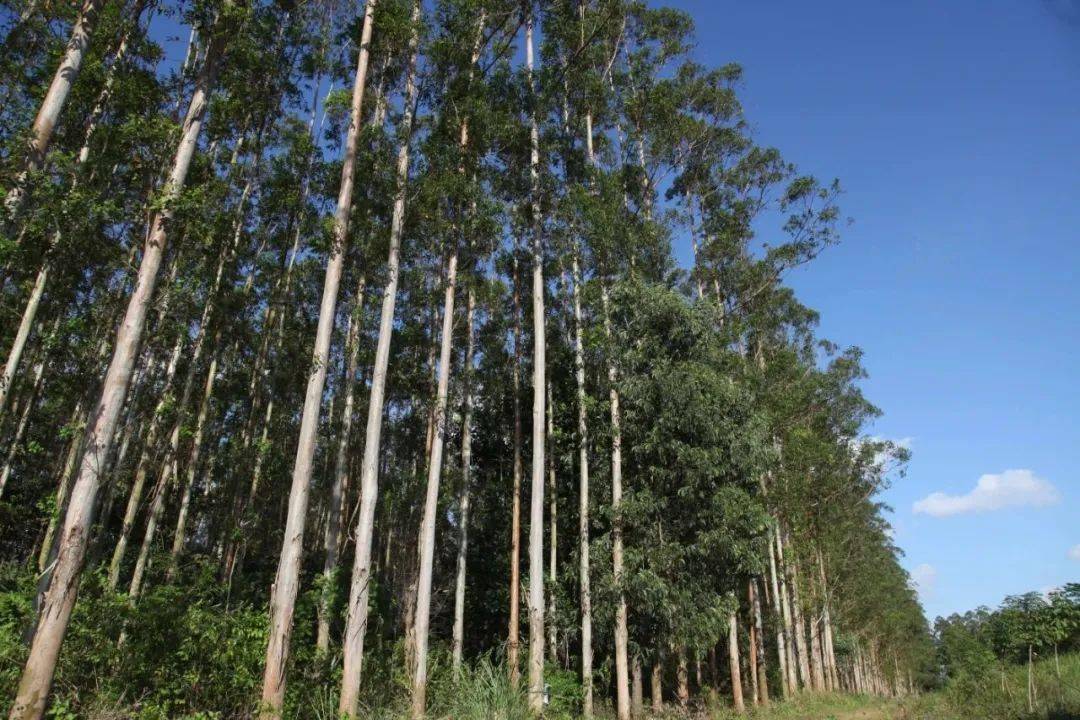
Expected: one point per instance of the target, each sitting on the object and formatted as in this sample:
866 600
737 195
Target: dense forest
350 369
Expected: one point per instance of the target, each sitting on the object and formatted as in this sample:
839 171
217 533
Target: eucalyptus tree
56 610
286 583
53 103
361 575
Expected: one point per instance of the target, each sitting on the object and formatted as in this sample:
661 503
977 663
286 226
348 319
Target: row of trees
983 642
497 185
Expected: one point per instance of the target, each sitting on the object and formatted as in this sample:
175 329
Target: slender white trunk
817 672
36 681
287 581
26 325
340 486
180 535
789 626
63 486
53 103
622 692
536 499
583 495
466 479
360 586
143 466
759 639
24 420
431 500
426 548
781 637
515 502
801 650
553 519
828 650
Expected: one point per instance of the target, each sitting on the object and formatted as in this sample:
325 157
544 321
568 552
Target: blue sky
955 129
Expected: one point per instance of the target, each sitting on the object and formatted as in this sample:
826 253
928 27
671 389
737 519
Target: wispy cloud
924 579
1012 488
1074 553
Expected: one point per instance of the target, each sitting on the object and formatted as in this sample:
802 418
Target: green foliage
1000 694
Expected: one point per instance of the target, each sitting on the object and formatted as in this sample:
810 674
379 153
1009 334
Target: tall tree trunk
53 103
369 470
790 628
622 692
36 681
1030 681
287 580
733 664
714 676
553 519
583 494
781 634
752 664
435 458
180 534
340 486
431 500
515 502
801 650
22 334
682 675
656 686
759 637
637 688
827 632
536 499
24 420
142 468
817 673
33 303
63 489
466 480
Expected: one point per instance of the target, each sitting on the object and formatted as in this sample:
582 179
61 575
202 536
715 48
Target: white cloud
924 579
1074 553
1012 488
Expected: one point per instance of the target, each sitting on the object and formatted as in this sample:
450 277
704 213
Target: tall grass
1003 696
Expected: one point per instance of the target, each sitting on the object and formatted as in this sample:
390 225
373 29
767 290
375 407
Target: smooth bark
458 641
360 587
427 526
536 499
622 690
515 502
759 637
287 580
583 495
733 664
340 486
52 104
36 681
